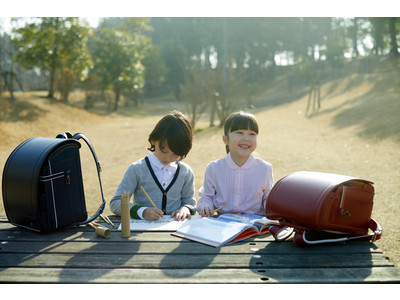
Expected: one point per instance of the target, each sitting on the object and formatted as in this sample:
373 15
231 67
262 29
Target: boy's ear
225 139
152 146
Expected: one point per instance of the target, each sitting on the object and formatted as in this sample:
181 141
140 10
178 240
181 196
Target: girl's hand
152 214
207 211
181 214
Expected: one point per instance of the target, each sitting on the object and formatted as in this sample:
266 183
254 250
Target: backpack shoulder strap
281 233
78 136
301 240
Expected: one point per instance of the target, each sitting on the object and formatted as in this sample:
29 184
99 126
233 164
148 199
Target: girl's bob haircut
176 130
240 120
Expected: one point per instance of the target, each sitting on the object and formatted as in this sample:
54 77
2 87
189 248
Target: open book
225 229
163 224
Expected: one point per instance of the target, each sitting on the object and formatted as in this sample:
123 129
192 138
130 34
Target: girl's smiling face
242 143
164 154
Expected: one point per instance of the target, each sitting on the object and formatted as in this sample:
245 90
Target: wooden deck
77 255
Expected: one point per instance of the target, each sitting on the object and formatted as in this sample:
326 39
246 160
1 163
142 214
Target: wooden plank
183 247
77 255
203 276
190 261
87 233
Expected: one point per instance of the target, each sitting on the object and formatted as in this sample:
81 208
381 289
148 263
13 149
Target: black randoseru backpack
42 184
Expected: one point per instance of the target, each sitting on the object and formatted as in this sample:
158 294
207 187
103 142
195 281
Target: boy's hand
152 214
181 214
207 211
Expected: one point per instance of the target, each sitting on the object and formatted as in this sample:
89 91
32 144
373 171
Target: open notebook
165 224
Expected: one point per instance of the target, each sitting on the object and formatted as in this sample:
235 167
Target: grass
356 132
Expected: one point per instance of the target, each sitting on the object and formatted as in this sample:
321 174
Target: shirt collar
155 162
231 164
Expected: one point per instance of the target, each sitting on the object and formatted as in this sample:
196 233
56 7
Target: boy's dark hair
175 129
240 120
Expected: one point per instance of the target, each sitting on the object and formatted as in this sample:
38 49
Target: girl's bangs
245 123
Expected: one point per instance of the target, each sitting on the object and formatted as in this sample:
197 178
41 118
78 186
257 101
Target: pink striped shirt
245 189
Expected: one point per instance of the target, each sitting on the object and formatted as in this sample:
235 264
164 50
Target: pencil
148 196
215 210
107 220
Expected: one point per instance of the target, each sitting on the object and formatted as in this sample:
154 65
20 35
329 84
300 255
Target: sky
204 8
5 23
93 10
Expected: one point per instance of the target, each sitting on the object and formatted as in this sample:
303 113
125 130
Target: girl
168 181
240 182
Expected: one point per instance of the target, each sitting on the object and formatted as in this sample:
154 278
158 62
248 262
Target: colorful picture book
225 229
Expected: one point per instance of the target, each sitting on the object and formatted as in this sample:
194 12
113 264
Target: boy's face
241 142
164 154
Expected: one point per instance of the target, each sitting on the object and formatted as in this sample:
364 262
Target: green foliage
237 55
52 44
155 70
178 40
118 56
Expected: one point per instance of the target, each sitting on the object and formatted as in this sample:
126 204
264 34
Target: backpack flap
313 201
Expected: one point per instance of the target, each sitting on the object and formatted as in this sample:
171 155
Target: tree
2 38
179 39
155 70
8 73
197 90
393 41
118 56
353 32
52 44
378 29
65 80
248 48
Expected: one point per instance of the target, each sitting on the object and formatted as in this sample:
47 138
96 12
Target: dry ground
356 132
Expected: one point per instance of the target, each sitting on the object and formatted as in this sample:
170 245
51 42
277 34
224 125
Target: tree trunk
64 95
135 98
117 97
213 110
52 82
393 41
354 37
378 35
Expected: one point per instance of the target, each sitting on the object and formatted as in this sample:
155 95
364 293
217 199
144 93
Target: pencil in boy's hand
215 210
148 197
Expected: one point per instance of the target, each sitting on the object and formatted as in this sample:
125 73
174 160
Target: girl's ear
225 139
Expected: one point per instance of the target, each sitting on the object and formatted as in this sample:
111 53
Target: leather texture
322 201
42 184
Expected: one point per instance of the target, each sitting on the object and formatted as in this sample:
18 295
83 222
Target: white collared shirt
164 174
